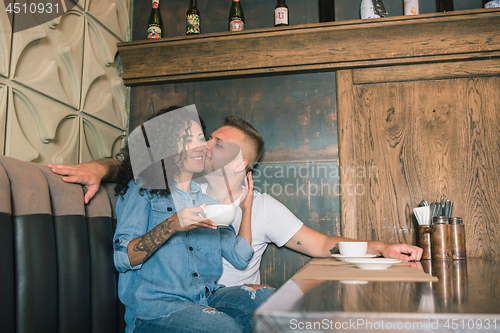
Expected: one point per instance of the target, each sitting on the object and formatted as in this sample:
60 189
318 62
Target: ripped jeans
231 310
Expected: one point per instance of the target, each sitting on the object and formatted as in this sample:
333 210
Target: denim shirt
183 270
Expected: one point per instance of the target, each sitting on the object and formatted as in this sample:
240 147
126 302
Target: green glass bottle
326 10
155 25
193 19
444 5
236 17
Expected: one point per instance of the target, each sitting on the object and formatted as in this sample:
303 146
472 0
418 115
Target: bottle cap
440 220
456 220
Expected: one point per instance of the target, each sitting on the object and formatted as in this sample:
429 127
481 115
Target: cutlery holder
425 241
441 249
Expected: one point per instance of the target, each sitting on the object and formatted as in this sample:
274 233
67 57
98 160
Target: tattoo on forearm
298 243
154 239
335 249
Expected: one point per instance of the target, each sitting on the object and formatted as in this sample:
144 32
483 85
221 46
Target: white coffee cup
353 249
222 215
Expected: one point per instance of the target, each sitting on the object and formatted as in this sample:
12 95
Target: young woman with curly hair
169 256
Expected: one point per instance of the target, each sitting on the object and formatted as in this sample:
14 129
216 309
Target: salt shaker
441 249
457 238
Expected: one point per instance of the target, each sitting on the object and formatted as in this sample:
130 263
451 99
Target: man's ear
241 165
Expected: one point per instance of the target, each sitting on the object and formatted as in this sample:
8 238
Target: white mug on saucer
353 249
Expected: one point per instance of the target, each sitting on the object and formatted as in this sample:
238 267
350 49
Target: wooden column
345 121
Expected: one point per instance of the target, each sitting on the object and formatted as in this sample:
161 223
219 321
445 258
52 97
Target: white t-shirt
272 222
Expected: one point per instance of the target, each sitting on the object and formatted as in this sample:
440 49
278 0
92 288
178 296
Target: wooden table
465 299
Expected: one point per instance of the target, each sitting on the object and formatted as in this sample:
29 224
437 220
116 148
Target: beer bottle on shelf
444 5
236 17
326 10
281 14
155 25
367 10
192 19
491 4
411 7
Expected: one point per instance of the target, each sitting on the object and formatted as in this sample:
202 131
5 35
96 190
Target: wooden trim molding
345 121
429 71
401 40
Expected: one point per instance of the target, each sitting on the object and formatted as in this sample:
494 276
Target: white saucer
373 263
344 258
353 282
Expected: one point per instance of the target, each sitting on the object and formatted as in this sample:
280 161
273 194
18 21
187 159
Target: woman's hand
247 193
190 218
141 248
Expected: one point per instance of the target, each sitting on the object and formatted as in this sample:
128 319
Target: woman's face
196 148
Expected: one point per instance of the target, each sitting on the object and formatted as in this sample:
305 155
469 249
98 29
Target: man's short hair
251 133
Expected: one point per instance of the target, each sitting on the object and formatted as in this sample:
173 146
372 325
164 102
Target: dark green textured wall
296 114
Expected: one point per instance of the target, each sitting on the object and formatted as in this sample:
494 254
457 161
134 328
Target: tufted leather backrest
56 254
6 255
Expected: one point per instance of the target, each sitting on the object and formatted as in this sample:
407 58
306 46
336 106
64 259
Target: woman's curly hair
170 164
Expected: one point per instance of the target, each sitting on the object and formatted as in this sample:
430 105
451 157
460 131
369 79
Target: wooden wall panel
428 139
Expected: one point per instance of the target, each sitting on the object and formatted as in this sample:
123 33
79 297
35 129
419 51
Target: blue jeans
230 310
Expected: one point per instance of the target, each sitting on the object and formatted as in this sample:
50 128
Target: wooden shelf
458 35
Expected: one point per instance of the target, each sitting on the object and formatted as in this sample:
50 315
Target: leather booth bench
56 254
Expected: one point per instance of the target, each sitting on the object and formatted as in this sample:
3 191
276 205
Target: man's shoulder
264 199
278 223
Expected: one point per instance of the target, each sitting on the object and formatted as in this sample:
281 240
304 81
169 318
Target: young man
272 222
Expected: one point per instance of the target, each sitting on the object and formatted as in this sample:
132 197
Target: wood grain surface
346 132
429 139
431 71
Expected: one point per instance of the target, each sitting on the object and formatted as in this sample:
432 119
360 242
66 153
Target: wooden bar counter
465 299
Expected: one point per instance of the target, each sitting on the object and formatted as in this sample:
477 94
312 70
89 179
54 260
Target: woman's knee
258 292
259 286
